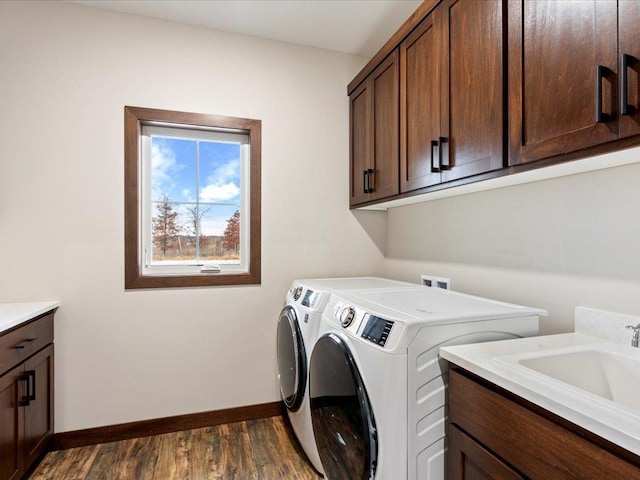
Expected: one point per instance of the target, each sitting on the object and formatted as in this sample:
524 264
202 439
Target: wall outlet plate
438 282
428 280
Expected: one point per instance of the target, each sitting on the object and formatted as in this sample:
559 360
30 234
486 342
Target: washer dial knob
347 315
297 292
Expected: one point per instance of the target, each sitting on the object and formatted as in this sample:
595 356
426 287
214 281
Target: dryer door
343 421
292 359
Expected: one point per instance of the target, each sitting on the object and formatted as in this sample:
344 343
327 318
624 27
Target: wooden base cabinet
11 423
468 459
26 396
496 435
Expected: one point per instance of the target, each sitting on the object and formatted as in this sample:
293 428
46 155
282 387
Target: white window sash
188 267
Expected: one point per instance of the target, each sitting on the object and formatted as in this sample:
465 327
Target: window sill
196 280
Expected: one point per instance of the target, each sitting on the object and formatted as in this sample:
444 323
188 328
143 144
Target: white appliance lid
352 283
428 304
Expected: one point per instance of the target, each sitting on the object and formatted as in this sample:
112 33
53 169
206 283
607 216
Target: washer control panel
376 329
309 299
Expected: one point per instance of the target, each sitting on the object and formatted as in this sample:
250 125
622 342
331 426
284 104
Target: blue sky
174 173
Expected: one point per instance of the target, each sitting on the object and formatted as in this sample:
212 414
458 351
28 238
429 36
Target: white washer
377 386
297 331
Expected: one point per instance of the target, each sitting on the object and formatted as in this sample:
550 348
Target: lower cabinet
470 460
26 398
495 435
38 413
11 423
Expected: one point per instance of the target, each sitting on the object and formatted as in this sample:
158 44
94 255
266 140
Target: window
192 199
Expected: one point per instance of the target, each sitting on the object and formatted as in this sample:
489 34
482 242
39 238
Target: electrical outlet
438 282
428 280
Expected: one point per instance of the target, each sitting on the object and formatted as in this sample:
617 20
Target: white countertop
13 314
620 425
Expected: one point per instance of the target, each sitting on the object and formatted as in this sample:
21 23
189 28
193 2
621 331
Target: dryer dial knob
297 292
347 315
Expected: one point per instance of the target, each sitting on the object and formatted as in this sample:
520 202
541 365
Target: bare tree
164 226
194 226
231 236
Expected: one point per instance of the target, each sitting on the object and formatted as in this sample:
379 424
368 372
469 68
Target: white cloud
186 193
225 172
219 192
163 166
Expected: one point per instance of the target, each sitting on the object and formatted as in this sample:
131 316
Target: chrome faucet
636 334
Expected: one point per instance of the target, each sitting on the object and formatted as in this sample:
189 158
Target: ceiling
358 27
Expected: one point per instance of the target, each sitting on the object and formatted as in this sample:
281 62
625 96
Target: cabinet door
556 49
12 390
38 415
383 180
419 106
360 142
468 460
629 44
472 87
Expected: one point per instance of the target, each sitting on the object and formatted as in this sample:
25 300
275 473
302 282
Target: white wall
553 244
66 72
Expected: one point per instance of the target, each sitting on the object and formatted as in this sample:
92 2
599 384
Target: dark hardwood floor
263 449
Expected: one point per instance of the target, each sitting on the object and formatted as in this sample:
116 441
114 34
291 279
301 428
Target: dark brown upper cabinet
419 106
629 58
374 124
490 88
451 94
565 76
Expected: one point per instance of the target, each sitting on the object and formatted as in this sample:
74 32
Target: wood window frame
134 118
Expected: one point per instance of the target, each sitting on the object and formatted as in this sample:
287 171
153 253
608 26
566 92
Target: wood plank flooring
264 449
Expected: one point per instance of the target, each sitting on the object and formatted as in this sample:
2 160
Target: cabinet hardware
626 61
435 159
24 402
367 180
25 343
443 158
601 117
365 189
31 384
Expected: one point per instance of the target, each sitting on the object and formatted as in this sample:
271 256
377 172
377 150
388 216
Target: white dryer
297 331
377 385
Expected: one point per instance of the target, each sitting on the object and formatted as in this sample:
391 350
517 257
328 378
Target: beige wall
554 244
66 72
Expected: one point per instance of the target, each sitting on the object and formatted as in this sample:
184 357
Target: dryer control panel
376 329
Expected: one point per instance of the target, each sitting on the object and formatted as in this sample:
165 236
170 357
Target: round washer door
343 422
292 359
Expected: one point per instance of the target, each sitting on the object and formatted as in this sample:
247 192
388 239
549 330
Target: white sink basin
609 371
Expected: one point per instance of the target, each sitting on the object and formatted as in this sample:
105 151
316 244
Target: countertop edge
14 314
531 392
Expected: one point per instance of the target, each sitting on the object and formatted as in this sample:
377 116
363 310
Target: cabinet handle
31 384
365 188
435 159
443 159
601 117
24 402
626 61
367 180
25 343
